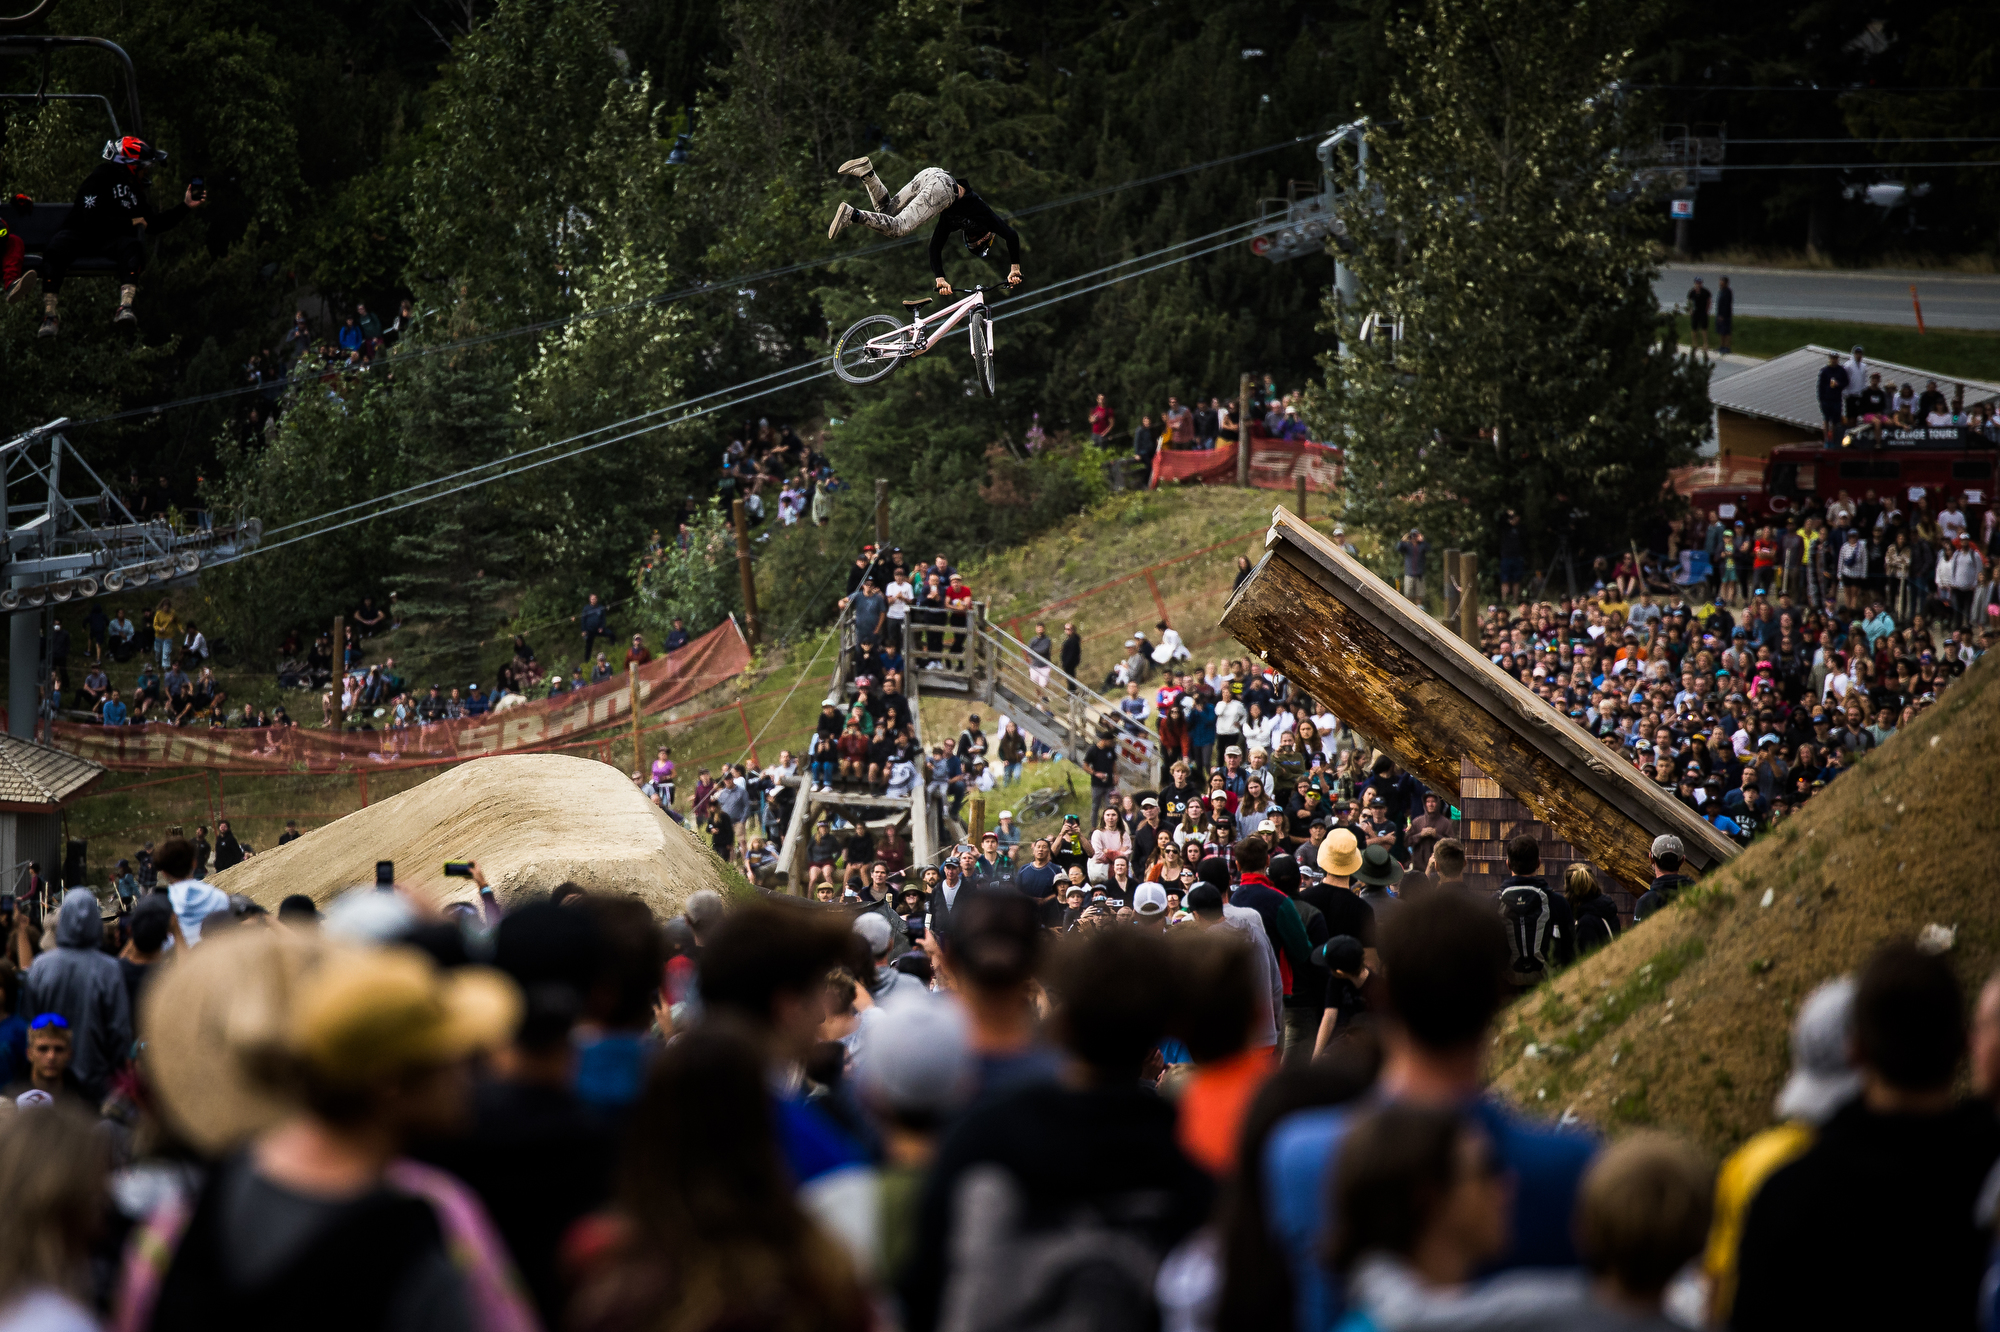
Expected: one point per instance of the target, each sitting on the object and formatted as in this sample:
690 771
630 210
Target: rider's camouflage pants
929 193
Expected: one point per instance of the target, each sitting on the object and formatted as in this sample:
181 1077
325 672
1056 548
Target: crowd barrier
1275 464
562 722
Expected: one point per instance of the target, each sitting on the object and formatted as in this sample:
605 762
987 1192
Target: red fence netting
665 682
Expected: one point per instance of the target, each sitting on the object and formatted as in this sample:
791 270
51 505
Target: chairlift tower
55 555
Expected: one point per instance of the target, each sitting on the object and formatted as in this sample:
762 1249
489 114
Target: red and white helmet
132 151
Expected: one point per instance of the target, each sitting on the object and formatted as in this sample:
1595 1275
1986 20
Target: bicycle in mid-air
875 346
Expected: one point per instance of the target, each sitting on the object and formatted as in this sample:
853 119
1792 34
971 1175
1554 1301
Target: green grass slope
775 704
1684 1020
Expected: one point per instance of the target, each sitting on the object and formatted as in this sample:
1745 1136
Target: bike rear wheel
858 363
982 350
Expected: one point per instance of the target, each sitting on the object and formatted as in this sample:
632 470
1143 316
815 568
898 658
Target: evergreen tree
1510 248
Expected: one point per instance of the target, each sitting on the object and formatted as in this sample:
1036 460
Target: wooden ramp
1429 700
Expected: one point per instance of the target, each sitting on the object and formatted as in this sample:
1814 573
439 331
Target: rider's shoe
25 286
858 168
125 316
51 325
841 217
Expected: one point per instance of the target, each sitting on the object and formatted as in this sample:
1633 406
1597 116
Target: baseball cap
1150 900
1268 825
1149 803
1822 1080
1666 844
1232 750
1203 899
369 1013
1342 952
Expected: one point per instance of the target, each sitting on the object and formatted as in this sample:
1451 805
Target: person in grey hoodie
79 980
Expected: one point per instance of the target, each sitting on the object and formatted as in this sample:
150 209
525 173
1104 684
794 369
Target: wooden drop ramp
1429 699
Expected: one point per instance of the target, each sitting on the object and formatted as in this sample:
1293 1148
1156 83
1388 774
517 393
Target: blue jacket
1299 1158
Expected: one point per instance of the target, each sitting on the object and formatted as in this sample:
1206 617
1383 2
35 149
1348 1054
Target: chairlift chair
38 224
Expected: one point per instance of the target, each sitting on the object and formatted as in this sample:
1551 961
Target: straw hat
208 1011
352 1013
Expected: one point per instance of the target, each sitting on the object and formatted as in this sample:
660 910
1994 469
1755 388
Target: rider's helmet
979 245
132 151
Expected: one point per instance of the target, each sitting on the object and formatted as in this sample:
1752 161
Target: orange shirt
1217 1098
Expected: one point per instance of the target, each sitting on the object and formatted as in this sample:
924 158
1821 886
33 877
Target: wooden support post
1451 587
363 775
339 672
1468 597
1243 431
632 681
881 513
750 631
978 824
1299 505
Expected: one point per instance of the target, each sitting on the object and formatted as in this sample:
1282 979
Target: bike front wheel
982 350
857 362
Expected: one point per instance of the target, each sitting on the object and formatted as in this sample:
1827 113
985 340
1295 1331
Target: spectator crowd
1813 637
1248 1097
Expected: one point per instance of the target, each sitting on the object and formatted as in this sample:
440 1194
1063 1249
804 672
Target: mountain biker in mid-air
931 193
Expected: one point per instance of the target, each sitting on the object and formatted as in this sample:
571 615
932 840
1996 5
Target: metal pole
1468 597
1243 431
881 513
632 678
24 649
339 672
749 578
1451 585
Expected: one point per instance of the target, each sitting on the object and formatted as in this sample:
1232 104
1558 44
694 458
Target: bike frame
913 332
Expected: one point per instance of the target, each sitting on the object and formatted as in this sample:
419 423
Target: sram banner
1275 464
665 682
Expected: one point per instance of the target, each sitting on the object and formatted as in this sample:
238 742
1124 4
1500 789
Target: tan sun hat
1340 853
207 1014
354 1013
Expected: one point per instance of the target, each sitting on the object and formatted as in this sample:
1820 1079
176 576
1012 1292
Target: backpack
1082 1274
1524 909
1592 932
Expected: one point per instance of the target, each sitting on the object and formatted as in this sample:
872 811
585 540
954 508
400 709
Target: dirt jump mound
532 821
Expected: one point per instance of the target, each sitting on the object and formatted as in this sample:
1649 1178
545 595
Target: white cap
1666 844
1822 1080
916 1056
1150 900
871 927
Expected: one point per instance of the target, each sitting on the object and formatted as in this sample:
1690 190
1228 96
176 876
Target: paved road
1878 296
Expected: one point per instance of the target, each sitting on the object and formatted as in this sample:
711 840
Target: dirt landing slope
531 821
1684 1020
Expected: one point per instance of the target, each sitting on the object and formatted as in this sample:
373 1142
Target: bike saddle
919 303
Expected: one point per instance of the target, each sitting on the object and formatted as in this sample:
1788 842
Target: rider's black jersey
971 215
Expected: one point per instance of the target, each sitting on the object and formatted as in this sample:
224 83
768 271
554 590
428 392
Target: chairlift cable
683 293
819 369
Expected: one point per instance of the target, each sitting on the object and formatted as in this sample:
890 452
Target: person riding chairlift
111 218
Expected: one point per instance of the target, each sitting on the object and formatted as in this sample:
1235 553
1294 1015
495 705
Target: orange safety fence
540 726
